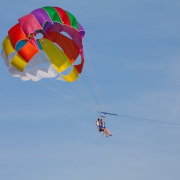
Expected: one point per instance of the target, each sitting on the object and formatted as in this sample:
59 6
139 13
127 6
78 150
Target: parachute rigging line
94 80
61 93
67 96
91 99
143 119
58 92
64 61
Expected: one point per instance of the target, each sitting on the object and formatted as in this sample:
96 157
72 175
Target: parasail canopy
30 58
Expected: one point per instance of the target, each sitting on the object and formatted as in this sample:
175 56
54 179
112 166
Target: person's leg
107 131
106 135
103 134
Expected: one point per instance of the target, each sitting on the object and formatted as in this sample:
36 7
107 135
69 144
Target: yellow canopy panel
8 49
57 57
72 76
17 60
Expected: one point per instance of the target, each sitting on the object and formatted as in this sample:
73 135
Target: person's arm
97 124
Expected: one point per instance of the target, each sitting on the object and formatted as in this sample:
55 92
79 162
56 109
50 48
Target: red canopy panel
63 15
16 34
80 66
68 45
28 51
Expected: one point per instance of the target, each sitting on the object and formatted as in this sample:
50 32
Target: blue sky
134 50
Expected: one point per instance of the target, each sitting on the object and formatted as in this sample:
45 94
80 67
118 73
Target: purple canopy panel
42 16
81 30
47 27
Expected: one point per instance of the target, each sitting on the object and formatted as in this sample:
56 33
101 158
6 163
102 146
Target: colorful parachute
30 58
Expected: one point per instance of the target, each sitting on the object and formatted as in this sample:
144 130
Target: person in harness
101 127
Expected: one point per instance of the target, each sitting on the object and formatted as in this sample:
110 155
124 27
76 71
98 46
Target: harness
101 125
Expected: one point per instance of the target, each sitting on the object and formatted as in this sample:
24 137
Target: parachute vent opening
67 71
77 61
39 36
66 34
59 47
11 56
